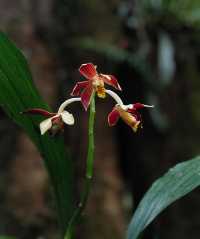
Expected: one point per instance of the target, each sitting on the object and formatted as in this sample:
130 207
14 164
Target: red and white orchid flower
128 113
95 83
55 121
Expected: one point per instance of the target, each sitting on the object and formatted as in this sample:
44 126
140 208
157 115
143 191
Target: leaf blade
18 93
176 183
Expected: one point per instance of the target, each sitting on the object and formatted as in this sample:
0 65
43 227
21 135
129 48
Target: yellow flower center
135 126
101 91
129 119
98 85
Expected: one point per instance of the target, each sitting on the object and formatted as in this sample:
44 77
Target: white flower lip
45 125
67 118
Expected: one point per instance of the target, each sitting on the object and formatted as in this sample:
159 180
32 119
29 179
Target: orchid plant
87 90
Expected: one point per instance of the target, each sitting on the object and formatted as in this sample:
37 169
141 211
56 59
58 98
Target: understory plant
22 102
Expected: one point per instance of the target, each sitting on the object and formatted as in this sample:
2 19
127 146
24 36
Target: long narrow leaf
18 93
176 183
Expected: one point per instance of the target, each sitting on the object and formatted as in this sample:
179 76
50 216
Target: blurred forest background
153 48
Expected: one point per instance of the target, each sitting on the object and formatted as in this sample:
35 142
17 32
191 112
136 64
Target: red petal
78 87
111 80
37 111
136 114
138 106
113 117
88 70
87 95
57 119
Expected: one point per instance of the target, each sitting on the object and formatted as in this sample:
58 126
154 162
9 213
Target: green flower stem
88 175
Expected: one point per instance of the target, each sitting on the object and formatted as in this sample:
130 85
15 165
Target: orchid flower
95 83
55 121
128 113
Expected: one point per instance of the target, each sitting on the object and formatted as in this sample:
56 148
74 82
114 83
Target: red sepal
78 88
87 95
138 106
113 117
88 70
38 111
111 80
135 113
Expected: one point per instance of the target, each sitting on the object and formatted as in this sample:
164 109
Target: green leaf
18 93
176 183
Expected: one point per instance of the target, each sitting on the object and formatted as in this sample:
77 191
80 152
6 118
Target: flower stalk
88 176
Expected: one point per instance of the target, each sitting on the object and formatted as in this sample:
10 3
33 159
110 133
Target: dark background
153 48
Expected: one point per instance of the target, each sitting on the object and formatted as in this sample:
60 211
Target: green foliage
187 11
18 93
176 183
